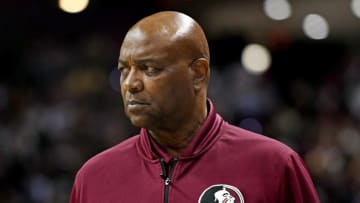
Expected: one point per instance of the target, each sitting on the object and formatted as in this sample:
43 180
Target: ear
201 71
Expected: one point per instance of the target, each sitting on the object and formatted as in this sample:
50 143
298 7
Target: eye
151 70
124 70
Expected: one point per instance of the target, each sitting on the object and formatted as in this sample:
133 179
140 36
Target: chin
140 122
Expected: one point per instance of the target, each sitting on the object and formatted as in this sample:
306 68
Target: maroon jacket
223 163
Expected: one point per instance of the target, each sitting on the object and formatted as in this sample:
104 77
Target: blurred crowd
61 105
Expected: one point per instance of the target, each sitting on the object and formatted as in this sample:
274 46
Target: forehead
139 44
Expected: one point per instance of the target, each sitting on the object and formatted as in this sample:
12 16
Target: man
185 152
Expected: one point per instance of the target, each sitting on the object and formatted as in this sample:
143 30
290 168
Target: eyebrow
146 60
123 62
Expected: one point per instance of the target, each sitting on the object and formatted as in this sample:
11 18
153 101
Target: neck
175 141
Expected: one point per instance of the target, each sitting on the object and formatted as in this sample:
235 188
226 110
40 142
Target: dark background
60 105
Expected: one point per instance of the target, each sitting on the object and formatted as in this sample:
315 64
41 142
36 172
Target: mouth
135 102
136 106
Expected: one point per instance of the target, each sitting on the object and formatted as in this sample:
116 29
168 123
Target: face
156 83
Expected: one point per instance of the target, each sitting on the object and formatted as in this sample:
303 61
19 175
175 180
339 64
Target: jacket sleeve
297 186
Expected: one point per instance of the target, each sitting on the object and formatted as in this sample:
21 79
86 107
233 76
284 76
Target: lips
136 106
135 102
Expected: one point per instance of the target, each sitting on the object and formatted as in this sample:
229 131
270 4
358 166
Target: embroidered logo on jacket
221 193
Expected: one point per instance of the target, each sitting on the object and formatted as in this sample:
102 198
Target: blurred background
286 69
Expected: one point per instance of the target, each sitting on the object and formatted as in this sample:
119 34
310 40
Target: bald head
176 30
164 65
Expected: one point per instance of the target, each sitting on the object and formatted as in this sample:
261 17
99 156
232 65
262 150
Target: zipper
167 170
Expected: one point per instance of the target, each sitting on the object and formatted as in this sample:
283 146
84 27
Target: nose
133 81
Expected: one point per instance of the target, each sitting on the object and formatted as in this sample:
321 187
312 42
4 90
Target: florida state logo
221 193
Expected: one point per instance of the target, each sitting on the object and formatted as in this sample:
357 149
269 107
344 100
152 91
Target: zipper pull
165 174
167 181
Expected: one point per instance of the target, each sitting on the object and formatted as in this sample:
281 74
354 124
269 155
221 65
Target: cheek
182 87
170 87
172 94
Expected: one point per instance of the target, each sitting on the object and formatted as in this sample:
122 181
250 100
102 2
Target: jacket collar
203 139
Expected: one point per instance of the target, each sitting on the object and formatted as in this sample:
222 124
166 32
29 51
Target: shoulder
256 150
268 161
254 143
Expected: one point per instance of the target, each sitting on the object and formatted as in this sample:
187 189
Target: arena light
315 26
256 58
277 9
73 6
355 7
